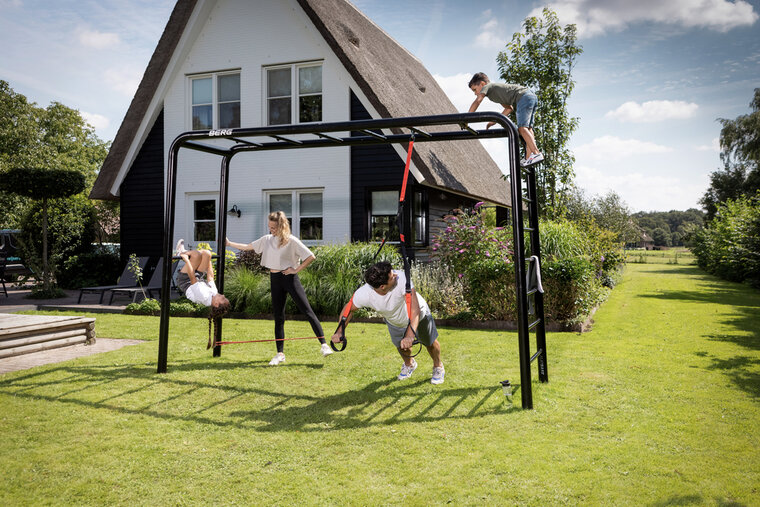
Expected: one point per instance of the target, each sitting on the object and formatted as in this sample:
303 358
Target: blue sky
652 80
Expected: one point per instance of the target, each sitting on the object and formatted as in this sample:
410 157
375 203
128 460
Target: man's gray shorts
426 332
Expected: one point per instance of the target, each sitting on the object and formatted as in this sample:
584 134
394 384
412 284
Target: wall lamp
234 210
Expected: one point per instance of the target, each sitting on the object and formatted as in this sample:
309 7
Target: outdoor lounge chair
154 284
127 279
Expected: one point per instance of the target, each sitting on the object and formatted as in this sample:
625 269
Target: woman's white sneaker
326 350
279 358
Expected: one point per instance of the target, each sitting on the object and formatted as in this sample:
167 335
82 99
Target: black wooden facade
142 198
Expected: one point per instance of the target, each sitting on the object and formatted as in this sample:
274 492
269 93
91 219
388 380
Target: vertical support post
169 203
518 234
538 297
220 242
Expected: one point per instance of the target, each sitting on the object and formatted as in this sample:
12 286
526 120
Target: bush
729 246
491 290
70 232
468 239
572 290
89 270
182 307
444 291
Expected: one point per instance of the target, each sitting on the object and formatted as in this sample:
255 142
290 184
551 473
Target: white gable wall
249 35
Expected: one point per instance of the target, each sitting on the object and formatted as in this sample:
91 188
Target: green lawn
658 405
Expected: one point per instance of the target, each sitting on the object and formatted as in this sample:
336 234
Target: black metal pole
169 202
220 242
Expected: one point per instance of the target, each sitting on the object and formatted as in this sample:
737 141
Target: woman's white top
279 259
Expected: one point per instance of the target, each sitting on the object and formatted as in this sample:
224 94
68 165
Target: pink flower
478 205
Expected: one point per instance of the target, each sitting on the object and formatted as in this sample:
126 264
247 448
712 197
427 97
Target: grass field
678 255
658 405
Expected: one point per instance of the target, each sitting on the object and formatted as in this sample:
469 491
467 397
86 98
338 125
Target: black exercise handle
341 327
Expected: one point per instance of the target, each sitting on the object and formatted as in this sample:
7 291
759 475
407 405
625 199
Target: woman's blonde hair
283 226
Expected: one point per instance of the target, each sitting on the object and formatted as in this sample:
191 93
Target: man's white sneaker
438 374
180 247
406 371
326 350
279 358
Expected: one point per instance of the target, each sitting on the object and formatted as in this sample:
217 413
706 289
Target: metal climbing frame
226 143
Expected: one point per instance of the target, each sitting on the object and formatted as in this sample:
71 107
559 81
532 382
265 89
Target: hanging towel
533 281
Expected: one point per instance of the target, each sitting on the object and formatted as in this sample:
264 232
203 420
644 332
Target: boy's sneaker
406 371
534 159
179 248
326 350
279 358
523 162
438 374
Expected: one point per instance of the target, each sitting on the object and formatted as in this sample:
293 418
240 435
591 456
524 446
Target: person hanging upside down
196 281
196 278
280 253
384 292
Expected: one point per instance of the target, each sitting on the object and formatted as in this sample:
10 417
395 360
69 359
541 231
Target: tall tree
740 154
31 136
543 58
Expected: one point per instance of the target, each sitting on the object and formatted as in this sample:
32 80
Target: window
204 221
215 101
304 211
294 94
384 207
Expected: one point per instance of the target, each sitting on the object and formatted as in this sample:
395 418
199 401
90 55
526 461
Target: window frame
295 214
190 199
295 95
215 101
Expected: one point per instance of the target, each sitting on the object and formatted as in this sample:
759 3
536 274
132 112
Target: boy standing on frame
510 96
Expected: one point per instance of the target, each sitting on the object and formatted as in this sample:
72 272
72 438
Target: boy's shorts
526 106
426 332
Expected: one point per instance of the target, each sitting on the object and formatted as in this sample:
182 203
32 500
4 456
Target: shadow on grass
136 389
743 371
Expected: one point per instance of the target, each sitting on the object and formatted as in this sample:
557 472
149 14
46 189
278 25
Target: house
245 63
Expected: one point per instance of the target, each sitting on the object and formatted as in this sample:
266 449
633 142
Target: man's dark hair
377 274
477 78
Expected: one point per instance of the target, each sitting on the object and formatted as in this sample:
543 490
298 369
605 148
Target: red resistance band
269 340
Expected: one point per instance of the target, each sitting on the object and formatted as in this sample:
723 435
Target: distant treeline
670 228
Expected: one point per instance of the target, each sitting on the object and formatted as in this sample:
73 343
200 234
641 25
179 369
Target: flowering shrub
467 239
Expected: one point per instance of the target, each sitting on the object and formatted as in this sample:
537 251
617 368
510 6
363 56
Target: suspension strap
347 310
402 237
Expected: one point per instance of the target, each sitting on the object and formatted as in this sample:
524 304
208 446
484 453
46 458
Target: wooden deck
24 334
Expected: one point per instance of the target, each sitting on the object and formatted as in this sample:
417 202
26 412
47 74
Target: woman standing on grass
285 255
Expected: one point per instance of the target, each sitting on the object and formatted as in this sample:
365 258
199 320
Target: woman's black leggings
282 285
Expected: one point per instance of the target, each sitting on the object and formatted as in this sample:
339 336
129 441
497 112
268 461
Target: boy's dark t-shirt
504 94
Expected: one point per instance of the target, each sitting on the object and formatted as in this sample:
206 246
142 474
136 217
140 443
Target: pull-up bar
230 142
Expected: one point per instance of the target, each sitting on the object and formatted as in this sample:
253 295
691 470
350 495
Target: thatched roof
393 80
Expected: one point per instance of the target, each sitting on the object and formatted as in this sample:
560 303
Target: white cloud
596 17
653 111
713 146
124 81
491 36
98 121
608 148
643 192
98 40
